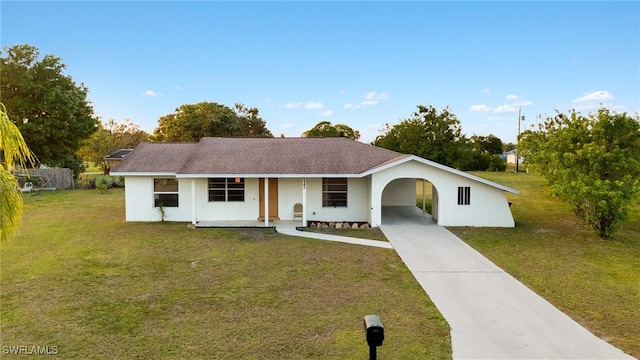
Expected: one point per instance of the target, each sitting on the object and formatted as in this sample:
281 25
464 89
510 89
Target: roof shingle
248 156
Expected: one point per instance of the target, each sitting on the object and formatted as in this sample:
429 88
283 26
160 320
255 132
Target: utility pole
520 118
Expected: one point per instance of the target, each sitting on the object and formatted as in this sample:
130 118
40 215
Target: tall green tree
326 129
110 137
591 162
50 109
192 122
14 151
428 133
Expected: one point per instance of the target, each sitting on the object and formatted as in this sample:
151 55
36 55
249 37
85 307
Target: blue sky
363 64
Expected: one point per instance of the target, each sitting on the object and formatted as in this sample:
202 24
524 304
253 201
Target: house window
226 189
334 192
464 195
165 192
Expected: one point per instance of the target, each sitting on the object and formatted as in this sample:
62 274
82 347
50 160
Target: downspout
193 202
304 202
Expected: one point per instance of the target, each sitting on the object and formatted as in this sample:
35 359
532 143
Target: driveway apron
491 314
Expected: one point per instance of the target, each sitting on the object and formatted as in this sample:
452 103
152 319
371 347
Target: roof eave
441 167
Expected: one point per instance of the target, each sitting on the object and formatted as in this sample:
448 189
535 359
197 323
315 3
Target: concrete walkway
491 314
291 230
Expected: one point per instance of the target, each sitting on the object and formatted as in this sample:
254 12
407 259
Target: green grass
80 278
595 281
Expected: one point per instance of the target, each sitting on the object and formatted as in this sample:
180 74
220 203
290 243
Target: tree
591 162
430 134
485 154
14 151
112 136
51 111
490 144
326 129
195 121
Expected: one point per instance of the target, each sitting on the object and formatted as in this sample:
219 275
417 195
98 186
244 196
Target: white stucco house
334 179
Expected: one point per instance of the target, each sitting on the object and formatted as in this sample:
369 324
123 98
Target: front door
273 199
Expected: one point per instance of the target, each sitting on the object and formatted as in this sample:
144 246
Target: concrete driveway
491 314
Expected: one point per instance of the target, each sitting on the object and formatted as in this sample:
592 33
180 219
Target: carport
458 198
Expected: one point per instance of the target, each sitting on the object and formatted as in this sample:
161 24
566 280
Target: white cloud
512 97
150 93
486 91
596 96
313 105
325 113
178 87
504 109
494 118
342 92
293 105
374 96
479 108
351 106
369 102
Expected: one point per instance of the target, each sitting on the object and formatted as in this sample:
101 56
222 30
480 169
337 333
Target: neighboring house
335 179
510 156
115 158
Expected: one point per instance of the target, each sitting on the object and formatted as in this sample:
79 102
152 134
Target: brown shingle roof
156 158
259 156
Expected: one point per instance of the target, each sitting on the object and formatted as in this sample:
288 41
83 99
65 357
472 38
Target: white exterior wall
140 206
400 192
488 207
139 201
357 208
227 210
289 193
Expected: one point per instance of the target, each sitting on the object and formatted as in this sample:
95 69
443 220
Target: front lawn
595 281
79 278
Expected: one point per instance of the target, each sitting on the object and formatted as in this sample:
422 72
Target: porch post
266 202
193 201
424 195
304 202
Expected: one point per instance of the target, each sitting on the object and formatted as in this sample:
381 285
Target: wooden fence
50 178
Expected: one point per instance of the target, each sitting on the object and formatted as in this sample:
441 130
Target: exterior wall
229 210
139 201
488 207
400 192
357 208
140 206
434 203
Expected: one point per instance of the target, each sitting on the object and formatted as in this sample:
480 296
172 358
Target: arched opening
405 198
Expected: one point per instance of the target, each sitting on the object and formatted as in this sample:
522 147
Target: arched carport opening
409 197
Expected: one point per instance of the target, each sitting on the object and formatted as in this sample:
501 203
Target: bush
104 182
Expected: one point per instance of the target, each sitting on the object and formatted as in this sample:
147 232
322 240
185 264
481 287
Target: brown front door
273 199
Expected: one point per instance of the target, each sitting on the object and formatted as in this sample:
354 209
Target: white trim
441 167
146 174
293 176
